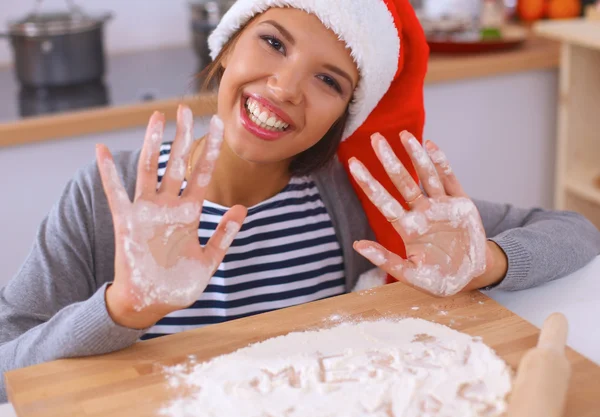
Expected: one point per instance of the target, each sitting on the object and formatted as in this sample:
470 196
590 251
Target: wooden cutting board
129 383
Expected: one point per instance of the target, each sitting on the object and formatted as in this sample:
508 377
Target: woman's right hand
160 266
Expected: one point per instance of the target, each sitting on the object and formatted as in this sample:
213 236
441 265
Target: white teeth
264 119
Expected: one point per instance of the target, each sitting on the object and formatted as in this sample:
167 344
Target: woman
294 82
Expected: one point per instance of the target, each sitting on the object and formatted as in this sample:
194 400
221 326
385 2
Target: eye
331 82
274 43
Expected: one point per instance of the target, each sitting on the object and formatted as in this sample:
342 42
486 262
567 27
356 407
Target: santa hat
389 47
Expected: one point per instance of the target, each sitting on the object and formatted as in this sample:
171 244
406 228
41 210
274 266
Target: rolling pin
540 389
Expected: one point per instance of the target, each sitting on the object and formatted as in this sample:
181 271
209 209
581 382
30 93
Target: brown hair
312 159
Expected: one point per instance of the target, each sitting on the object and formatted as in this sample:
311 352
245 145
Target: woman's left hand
446 246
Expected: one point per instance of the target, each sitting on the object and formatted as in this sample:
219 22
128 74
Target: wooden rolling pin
540 389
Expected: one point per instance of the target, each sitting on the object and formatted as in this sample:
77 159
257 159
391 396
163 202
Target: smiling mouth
263 117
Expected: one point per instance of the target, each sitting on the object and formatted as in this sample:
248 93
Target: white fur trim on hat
366 26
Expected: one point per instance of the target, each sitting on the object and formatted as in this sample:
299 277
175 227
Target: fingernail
187 116
405 134
374 255
429 145
358 171
216 127
376 135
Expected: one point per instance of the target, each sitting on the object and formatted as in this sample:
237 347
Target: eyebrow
286 34
283 30
339 72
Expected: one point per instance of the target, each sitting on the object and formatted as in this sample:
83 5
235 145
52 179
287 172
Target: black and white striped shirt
285 254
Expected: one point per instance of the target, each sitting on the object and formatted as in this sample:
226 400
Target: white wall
498 133
137 24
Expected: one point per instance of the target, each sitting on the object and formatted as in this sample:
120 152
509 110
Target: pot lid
56 23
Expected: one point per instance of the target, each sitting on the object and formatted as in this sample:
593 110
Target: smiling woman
311 93
292 80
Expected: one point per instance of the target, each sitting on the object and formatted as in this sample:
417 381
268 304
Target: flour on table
407 368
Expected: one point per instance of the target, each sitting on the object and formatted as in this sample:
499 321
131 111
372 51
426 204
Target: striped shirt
285 254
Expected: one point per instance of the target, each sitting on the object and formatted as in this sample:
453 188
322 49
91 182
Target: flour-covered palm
442 231
160 265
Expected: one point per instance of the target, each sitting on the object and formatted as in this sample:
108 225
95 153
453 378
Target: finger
444 170
202 172
398 173
148 164
382 258
405 271
226 231
425 169
175 172
378 195
118 200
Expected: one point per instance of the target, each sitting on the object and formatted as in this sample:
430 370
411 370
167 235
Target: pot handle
4 35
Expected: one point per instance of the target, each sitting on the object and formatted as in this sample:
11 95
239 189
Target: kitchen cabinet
577 185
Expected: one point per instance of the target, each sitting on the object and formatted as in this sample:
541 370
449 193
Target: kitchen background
137 24
498 131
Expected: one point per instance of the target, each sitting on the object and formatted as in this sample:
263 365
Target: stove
130 78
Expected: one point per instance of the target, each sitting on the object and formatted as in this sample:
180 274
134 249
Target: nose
286 85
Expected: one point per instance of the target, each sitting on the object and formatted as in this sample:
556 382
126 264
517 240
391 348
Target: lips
263 119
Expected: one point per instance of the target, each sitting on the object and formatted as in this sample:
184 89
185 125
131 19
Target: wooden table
129 383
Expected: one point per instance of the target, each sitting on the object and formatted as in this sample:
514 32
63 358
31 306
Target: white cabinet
499 134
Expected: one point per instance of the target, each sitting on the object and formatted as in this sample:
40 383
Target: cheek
321 117
224 97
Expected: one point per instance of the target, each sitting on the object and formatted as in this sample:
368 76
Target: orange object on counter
563 9
531 10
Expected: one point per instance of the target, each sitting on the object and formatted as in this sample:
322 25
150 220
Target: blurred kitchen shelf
578 144
585 184
579 32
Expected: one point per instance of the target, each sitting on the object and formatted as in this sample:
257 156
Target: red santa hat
389 47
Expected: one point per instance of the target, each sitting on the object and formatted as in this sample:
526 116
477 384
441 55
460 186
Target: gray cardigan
55 307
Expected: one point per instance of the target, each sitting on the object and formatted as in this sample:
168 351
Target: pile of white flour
406 368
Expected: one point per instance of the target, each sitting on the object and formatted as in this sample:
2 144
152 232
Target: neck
236 181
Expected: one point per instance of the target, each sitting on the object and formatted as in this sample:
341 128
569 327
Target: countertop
138 83
575 296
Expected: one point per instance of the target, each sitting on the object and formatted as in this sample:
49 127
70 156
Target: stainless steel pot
206 15
58 49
